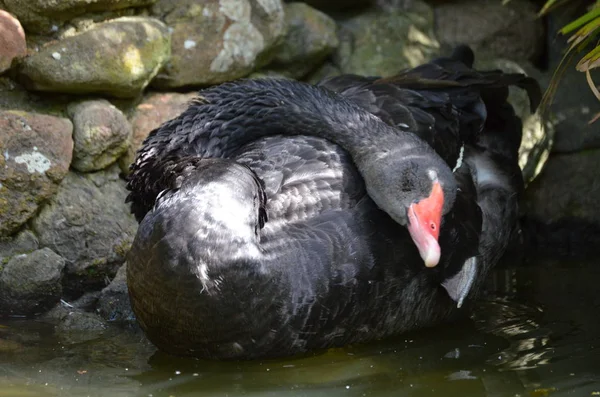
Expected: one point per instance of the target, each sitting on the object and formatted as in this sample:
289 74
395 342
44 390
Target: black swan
278 217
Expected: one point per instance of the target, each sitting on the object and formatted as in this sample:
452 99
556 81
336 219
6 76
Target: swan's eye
433 226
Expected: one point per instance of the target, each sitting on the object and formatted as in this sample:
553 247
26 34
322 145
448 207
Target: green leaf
583 20
549 5
555 80
590 61
590 30
591 83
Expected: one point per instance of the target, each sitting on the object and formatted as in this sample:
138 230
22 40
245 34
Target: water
536 335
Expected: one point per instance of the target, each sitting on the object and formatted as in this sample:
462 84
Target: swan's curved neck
228 116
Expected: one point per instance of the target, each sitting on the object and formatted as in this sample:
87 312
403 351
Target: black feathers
272 212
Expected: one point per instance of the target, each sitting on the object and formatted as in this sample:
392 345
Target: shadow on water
536 334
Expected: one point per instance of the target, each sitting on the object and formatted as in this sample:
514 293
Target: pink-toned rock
101 134
154 110
12 40
35 157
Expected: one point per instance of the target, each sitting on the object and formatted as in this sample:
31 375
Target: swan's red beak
424 220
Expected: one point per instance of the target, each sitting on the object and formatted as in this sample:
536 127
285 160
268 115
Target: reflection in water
535 334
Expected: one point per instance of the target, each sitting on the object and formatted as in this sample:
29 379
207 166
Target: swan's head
416 193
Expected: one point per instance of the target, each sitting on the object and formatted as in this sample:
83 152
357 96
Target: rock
218 40
88 223
14 96
44 16
23 243
35 157
30 283
326 70
154 110
77 320
12 40
567 188
538 133
513 31
269 74
381 43
87 301
117 58
73 325
572 108
310 38
337 5
101 134
114 304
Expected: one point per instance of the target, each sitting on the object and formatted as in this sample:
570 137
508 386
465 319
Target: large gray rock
35 155
113 304
311 37
155 109
218 40
88 223
45 16
383 42
512 31
23 243
337 5
12 40
101 134
14 96
567 188
328 69
117 58
31 283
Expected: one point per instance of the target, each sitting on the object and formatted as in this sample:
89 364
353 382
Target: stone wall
82 84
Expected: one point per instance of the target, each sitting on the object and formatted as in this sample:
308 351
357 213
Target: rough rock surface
23 243
101 134
35 155
310 38
45 16
218 40
337 5
567 187
381 43
88 223
117 58
31 283
12 40
113 304
74 325
328 69
512 31
154 110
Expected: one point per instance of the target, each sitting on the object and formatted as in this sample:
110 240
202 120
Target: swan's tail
494 161
446 102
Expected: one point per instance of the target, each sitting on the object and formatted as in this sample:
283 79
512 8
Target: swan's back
303 176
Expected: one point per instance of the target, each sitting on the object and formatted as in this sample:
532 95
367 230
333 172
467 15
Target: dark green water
537 335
